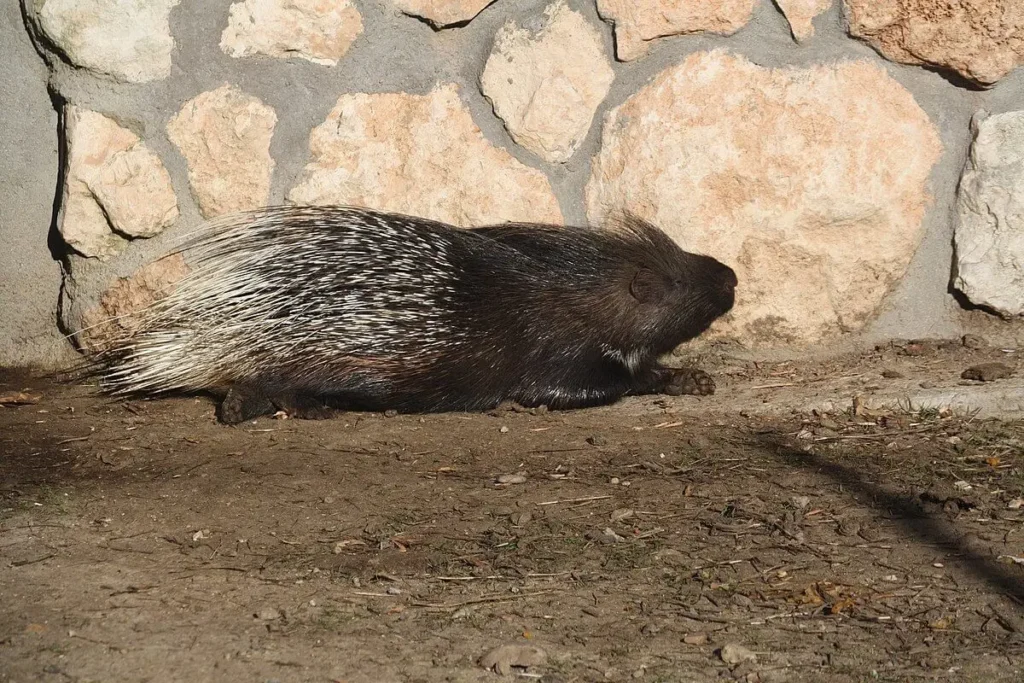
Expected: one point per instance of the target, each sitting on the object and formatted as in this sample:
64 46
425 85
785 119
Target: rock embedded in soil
224 135
990 215
973 341
987 372
817 244
732 653
125 39
980 40
546 84
317 31
421 155
502 659
639 22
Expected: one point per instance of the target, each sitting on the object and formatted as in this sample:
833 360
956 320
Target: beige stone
420 155
114 188
982 40
637 22
811 183
441 13
547 86
224 136
320 31
989 234
127 39
112 317
800 15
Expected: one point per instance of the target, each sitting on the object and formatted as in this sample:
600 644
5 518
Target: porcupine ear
647 287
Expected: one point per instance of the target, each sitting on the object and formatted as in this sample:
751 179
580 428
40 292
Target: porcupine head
664 295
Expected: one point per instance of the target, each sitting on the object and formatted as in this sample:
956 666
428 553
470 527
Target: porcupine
310 309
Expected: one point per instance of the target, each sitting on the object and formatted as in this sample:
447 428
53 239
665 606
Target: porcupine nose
729 280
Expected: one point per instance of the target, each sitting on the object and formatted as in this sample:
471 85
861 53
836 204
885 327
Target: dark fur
538 315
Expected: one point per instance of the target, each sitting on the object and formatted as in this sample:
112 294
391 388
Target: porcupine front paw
689 382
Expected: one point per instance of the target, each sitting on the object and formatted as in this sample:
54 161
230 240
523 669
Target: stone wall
30 276
859 162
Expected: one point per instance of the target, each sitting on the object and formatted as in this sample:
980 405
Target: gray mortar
30 277
395 53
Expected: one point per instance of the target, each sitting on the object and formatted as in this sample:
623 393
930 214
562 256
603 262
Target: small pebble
973 341
520 518
987 372
614 481
269 614
512 479
621 513
732 653
696 639
596 440
892 374
390 412
612 536
828 423
504 429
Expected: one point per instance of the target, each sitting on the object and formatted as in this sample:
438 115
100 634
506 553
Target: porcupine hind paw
240 405
689 381
303 407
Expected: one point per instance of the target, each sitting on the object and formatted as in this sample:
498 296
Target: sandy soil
677 539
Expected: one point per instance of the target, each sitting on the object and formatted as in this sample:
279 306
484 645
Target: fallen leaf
810 596
340 546
846 604
19 398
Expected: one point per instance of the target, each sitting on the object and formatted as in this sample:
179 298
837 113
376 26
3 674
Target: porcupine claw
689 381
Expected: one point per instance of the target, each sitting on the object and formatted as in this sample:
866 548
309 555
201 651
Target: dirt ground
660 539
